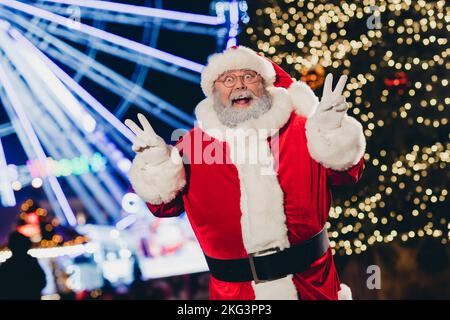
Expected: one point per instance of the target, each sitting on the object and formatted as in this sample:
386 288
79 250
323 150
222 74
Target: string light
396 79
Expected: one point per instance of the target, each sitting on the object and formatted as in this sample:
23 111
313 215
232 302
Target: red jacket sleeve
167 210
351 175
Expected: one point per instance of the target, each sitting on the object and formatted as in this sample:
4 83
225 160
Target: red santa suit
237 206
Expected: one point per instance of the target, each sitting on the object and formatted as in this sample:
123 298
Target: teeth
241 96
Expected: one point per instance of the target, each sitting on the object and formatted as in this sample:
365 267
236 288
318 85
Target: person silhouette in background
21 276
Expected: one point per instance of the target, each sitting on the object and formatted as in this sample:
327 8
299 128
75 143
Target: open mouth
242 101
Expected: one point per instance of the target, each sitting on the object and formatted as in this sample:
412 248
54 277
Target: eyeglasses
248 77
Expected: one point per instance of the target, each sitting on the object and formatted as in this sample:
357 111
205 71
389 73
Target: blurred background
72 71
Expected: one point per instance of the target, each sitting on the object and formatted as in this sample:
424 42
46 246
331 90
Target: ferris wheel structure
72 140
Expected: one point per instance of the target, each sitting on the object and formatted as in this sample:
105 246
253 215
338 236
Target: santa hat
240 57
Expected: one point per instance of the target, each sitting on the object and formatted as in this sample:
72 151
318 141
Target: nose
240 84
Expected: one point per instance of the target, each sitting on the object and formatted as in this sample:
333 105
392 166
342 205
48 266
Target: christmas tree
396 56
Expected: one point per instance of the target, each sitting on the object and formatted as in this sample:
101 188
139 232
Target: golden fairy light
304 36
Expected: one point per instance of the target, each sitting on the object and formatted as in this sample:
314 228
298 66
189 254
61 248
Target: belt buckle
252 262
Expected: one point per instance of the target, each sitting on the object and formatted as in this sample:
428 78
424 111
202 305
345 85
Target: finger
338 101
341 107
146 125
134 127
135 148
324 107
150 136
330 104
328 85
139 149
151 141
140 143
340 86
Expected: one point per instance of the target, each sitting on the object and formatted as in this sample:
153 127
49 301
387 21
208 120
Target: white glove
147 144
332 107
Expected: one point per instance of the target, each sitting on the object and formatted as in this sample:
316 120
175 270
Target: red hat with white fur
241 57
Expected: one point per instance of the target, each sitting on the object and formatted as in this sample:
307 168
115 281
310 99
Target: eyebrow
232 72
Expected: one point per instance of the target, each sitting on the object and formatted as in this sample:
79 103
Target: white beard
231 116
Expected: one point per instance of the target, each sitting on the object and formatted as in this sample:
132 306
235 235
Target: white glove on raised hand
332 107
147 144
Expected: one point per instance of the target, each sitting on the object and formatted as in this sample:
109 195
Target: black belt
272 266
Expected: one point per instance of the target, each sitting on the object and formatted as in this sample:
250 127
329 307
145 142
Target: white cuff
159 183
338 149
345 293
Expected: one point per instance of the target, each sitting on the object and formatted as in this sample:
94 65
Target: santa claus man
254 177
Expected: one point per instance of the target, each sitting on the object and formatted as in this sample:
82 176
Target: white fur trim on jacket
263 221
338 149
160 183
280 289
303 99
345 293
234 59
